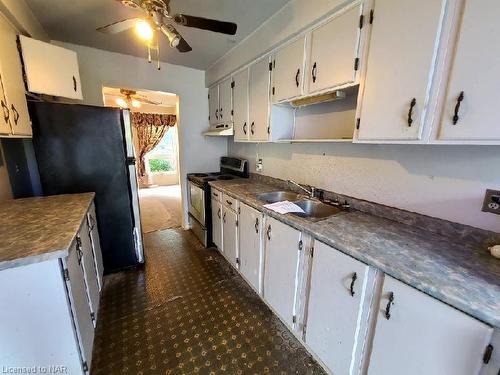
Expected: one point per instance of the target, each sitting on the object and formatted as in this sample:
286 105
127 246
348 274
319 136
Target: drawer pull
388 306
353 281
229 202
457 108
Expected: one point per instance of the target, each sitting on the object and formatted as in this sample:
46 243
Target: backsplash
464 234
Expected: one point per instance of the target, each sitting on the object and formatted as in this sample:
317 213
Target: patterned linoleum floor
188 312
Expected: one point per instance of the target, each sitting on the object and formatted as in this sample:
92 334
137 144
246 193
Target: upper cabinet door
400 66
259 83
240 106
470 111
280 270
13 84
416 334
213 105
334 48
225 101
50 69
4 110
337 293
288 71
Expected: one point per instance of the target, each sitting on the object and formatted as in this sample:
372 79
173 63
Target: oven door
197 202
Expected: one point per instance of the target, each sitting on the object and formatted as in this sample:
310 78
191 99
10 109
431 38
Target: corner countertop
461 275
41 228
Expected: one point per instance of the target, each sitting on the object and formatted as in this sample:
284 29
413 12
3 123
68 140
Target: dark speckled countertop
36 229
464 276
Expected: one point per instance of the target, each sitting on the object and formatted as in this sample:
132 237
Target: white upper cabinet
240 106
15 108
250 234
50 69
336 301
280 269
225 101
333 51
4 110
471 104
416 334
259 84
213 105
288 71
400 68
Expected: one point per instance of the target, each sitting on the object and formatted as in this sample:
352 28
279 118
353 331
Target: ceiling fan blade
206 24
183 46
119 26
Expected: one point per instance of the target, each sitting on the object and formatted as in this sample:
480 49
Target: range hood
220 130
323 98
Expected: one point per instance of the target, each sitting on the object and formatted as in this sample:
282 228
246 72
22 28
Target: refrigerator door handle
131 160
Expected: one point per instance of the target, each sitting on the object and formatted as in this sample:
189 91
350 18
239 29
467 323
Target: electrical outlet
492 201
258 166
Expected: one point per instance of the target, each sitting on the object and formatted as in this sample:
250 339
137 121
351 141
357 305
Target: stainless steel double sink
314 210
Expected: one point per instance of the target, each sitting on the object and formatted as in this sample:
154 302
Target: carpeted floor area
160 207
188 312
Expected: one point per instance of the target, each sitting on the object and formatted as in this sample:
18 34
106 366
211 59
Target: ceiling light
144 30
172 36
121 102
136 104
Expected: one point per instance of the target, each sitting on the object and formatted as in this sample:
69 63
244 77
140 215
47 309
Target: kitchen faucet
311 191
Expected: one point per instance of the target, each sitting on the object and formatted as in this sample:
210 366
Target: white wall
102 68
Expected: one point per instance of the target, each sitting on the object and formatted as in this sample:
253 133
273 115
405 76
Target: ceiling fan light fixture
173 38
144 30
135 103
121 102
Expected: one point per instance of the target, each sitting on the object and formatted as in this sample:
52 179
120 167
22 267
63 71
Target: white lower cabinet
336 315
250 249
96 244
416 334
280 268
230 235
217 224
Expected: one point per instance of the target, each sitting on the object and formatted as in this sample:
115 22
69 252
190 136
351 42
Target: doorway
154 117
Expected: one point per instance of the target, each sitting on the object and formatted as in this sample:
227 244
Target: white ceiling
75 21
167 102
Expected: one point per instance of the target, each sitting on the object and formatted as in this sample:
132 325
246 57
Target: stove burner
226 177
215 174
209 179
199 174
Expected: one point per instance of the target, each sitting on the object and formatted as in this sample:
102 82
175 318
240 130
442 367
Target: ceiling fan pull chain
158 52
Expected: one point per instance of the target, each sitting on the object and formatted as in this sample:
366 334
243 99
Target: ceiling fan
157 18
130 98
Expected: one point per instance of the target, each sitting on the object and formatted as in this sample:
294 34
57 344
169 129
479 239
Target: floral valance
155 119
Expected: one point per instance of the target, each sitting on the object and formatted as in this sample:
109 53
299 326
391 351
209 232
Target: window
163 158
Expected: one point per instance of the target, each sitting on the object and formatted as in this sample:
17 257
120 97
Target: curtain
150 129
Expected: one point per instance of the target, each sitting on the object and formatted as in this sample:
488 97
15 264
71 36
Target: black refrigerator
82 148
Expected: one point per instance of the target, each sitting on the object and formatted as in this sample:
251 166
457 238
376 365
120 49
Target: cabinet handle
297 77
74 83
224 217
269 232
457 108
252 128
229 202
216 195
16 114
313 72
218 213
92 222
217 114
388 307
256 225
220 112
6 113
245 128
410 111
353 280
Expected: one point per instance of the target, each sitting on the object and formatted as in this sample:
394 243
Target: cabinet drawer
217 195
230 202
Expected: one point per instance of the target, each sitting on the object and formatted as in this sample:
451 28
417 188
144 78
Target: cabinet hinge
92 316
312 252
239 210
79 242
274 64
294 319
358 121
237 260
371 16
268 130
232 84
361 21
356 63
270 66
65 273
208 96
232 112
301 245
208 117
236 222
85 367
487 354
274 90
